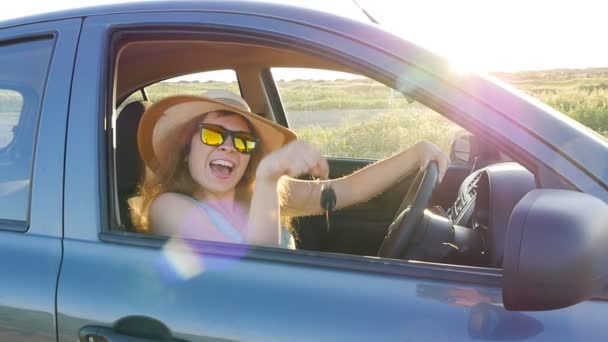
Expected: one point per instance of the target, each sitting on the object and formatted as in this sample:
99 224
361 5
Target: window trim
274 97
366 264
111 233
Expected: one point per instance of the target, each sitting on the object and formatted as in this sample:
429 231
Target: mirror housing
461 149
556 251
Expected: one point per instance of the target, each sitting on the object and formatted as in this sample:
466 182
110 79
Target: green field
362 118
580 94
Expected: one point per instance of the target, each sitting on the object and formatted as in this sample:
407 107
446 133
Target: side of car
35 60
115 284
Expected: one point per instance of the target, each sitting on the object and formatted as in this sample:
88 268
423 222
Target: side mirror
556 251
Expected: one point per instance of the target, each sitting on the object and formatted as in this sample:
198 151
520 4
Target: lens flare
183 259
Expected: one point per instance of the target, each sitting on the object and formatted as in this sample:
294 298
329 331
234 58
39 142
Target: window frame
110 232
330 43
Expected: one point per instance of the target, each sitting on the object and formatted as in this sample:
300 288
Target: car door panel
204 291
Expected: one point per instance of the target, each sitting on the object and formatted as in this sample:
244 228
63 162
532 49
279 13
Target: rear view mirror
556 251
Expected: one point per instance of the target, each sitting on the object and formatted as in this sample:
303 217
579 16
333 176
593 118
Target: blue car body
69 276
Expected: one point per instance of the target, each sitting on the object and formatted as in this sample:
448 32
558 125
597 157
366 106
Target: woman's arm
293 160
302 197
263 226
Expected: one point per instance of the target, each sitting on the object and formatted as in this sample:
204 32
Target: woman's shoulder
173 198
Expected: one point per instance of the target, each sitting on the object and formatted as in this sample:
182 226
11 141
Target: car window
23 73
193 84
165 170
11 105
352 116
125 122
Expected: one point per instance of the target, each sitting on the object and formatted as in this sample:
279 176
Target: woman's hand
294 159
427 152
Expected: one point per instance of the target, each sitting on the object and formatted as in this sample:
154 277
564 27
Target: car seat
128 164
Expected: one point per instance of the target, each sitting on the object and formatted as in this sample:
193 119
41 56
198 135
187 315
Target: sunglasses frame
225 133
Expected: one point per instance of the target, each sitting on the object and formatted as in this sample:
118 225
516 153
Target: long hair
173 174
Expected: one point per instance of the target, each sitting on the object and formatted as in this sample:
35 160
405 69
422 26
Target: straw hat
161 122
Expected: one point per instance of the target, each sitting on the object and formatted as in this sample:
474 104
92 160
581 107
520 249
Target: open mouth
221 168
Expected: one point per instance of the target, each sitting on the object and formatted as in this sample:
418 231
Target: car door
119 285
36 61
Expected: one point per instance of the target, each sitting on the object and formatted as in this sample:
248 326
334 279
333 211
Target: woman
215 172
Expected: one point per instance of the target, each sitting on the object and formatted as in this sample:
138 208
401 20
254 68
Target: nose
227 145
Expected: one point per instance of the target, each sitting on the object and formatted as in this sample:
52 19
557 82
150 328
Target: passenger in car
216 171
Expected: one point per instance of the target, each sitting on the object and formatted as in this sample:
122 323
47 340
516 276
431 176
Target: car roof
235 6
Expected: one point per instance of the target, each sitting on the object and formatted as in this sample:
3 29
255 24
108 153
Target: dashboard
462 210
485 201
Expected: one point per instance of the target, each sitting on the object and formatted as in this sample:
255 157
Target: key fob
328 201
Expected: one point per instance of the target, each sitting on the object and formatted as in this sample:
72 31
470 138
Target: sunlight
182 259
463 68
475 35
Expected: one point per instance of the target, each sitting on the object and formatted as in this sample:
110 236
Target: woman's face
218 169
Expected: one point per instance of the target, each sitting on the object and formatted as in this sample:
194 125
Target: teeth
223 163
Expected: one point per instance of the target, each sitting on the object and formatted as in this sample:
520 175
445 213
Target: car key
328 201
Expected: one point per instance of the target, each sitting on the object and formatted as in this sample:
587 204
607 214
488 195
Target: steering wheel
400 233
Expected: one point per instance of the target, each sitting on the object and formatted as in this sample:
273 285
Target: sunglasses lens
244 144
211 138
214 135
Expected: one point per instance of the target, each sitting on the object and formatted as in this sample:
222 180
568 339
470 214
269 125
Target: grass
581 94
365 119
383 135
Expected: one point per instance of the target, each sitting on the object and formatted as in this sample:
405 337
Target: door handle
129 329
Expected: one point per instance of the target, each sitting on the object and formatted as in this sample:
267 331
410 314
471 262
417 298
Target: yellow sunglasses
215 135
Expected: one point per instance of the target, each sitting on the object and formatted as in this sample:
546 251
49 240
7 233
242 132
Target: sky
480 35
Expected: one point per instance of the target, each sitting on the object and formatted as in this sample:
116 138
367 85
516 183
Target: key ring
328 200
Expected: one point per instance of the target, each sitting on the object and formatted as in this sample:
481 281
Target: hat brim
166 118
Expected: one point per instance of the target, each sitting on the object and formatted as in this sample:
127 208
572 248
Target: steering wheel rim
399 235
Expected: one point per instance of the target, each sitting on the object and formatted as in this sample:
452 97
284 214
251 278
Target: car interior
466 214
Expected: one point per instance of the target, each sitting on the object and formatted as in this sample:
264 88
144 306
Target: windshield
561 65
